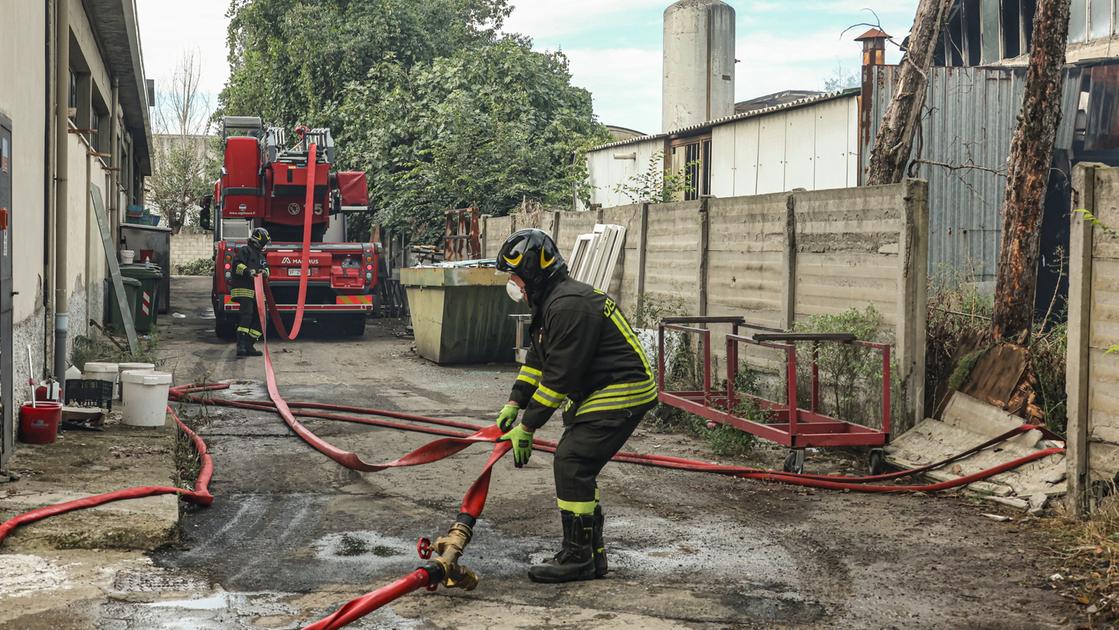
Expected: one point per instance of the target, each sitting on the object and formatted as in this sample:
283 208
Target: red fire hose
200 495
453 441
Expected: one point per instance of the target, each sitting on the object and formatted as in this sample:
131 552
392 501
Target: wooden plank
114 269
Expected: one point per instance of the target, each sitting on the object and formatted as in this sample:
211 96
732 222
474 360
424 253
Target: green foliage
98 347
850 375
964 367
197 267
651 309
426 97
291 60
491 126
1049 358
958 332
655 184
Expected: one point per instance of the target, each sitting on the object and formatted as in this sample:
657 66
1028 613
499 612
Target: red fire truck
264 184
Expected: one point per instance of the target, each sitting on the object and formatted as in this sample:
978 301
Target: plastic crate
89 393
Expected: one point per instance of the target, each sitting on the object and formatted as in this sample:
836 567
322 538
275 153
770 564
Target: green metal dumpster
461 315
132 289
150 277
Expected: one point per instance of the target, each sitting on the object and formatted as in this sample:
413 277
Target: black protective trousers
248 321
586 446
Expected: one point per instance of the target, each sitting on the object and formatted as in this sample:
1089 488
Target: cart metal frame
794 426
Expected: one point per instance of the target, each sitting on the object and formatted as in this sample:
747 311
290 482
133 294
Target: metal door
7 428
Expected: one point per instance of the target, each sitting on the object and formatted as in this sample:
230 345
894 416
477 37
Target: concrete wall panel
746 260
671 271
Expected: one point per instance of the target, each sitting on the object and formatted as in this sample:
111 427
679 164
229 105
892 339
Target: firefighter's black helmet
532 256
260 238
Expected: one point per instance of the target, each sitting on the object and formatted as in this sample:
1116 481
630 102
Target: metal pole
61 161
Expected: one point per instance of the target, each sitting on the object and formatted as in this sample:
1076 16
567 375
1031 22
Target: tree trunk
1031 154
894 144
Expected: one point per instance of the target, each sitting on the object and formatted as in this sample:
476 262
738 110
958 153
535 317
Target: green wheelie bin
132 289
149 276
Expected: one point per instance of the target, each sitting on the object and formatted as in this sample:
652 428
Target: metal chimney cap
872 34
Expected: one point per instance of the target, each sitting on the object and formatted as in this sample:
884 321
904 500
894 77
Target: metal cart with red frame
792 426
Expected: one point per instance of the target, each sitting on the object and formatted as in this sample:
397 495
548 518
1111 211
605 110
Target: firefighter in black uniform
249 262
585 359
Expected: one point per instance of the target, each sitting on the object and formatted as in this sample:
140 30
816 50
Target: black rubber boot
242 344
250 351
576 560
600 566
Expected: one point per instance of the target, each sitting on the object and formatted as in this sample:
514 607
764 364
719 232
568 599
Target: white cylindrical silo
698 73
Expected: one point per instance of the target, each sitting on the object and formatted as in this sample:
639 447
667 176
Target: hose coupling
448 549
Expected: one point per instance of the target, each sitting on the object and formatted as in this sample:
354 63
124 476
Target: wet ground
292 534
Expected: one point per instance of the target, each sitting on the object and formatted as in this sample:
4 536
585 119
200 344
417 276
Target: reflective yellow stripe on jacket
530 375
548 397
623 395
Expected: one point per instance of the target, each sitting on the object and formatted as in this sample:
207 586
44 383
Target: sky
614 46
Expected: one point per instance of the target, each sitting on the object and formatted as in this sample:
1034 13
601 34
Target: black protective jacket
584 357
245 261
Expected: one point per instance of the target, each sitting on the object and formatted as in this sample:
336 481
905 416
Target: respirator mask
514 291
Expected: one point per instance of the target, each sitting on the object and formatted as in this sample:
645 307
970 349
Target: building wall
22 41
609 168
188 247
813 147
775 260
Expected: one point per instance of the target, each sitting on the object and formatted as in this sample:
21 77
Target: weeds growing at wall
99 347
850 375
687 374
1088 555
197 267
959 334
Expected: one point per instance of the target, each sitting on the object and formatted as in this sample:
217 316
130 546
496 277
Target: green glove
522 444
507 417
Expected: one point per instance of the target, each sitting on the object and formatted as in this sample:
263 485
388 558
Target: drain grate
156 580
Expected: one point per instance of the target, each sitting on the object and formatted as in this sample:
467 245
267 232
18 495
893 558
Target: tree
894 143
841 79
490 125
1031 154
183 166
427 97
290 60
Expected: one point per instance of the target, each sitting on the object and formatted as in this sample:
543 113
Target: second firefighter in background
248 263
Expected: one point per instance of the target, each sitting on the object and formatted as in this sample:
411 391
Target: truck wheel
354 325
224 327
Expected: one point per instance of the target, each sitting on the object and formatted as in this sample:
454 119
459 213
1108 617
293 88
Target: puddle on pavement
364 546
223 609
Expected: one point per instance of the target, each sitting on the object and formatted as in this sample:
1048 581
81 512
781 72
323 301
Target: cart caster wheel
876 461
794 461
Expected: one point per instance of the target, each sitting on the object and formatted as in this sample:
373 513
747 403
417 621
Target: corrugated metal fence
969 120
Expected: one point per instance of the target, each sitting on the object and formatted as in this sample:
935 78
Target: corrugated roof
804 102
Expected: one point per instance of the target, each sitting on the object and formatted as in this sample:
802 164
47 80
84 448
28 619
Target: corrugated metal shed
970 118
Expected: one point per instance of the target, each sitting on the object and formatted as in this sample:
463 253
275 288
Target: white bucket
132 367
96 371
145 398
127 256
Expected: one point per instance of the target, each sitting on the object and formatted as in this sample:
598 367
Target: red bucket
38 424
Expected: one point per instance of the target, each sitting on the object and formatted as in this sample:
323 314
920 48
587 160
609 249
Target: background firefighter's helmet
260 238
532 256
